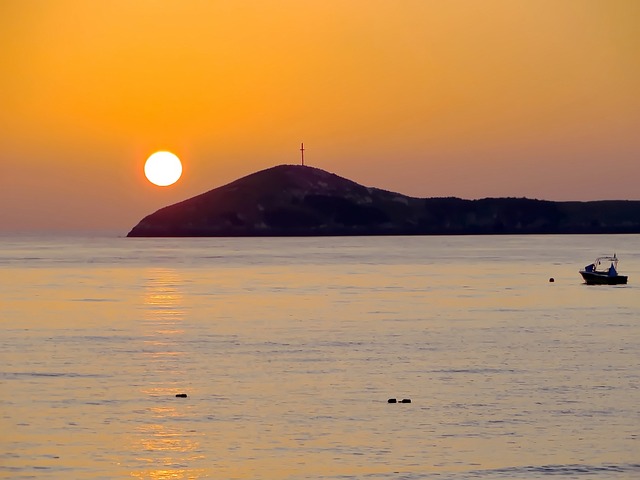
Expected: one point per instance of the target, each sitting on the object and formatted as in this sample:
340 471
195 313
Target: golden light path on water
161 443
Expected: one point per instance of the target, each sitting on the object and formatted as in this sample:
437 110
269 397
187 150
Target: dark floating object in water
181 395
404 400
551 280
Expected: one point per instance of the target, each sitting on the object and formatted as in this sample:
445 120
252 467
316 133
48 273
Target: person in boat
612 270
590 268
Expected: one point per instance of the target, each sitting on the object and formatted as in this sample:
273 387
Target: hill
296 200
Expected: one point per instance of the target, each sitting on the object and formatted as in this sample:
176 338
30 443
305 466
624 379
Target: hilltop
296 200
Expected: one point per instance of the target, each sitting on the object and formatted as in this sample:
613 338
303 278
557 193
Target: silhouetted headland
296 200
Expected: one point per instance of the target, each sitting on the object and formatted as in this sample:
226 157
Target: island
297 200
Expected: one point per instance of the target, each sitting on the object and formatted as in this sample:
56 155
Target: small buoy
181 395
392 400
551 280
406 400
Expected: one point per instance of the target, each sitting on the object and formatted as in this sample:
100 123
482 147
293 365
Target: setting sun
163 168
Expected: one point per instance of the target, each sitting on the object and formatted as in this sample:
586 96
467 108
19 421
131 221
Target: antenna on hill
302 153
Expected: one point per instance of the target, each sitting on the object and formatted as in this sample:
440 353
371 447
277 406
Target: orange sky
463 98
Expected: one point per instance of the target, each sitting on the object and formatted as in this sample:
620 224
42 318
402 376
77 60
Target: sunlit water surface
288 350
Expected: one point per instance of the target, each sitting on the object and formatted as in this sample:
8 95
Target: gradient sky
466 98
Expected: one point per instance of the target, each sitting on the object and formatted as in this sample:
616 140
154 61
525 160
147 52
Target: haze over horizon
534 99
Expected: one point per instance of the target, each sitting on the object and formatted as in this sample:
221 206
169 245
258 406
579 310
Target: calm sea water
288 350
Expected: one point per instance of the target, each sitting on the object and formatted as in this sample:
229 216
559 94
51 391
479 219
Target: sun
163 168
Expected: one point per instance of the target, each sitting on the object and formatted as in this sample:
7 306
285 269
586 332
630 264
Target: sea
277 358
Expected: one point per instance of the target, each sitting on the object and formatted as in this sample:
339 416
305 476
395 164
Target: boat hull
591 278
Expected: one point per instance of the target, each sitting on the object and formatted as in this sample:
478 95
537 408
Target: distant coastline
295 200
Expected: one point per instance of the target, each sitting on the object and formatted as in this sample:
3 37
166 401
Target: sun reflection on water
167 452
163 330
163 449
